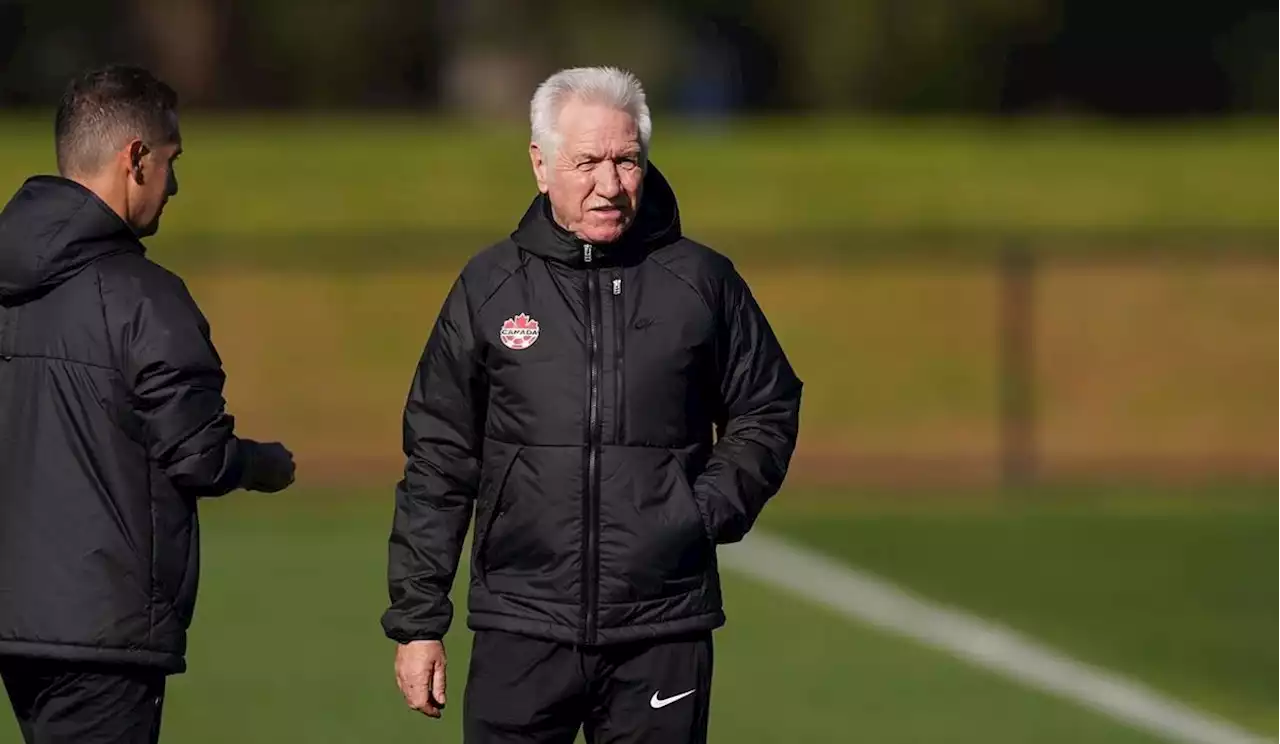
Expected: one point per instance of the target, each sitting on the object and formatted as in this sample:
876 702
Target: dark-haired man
112 426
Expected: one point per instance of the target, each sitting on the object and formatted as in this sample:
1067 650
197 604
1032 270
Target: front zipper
619 388
590 506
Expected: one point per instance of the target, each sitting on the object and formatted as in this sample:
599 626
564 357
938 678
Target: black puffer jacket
570 392
112 424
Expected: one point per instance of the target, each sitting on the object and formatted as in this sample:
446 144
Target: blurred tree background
1136 58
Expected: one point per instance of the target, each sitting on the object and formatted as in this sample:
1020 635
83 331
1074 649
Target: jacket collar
657 224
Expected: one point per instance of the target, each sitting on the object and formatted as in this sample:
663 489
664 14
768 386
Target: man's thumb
438 683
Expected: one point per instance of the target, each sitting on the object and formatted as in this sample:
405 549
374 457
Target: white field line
858 595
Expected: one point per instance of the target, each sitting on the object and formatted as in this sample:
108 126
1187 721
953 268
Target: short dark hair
104 108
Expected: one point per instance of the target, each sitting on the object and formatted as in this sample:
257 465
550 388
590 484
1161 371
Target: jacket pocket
684 491
653 545
690 463
185 604
175 555
492 506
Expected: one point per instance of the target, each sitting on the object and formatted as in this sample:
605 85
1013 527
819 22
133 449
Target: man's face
593 178
152 181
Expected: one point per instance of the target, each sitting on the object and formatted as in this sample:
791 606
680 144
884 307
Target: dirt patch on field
1149 369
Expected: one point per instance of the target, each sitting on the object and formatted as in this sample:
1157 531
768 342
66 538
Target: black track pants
64 702
521 689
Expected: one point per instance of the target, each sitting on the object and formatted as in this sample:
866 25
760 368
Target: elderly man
569 390
112 426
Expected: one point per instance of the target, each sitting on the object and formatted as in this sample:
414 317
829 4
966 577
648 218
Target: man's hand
420 674
268 467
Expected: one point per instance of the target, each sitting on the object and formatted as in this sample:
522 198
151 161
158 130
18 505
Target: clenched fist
268 467
420 674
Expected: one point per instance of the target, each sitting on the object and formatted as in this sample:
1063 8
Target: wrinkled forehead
590 125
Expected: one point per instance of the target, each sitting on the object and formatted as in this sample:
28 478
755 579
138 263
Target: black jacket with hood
112 425
568 394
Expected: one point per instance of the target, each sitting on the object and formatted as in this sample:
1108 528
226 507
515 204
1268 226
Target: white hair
608 85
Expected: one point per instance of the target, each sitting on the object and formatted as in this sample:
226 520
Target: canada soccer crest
519 332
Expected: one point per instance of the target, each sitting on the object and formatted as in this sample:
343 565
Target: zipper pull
586 252
617 286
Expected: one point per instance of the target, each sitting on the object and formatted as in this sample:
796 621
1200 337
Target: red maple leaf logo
520 331
520 322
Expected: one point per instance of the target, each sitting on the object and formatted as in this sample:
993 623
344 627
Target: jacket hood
50 230
657 223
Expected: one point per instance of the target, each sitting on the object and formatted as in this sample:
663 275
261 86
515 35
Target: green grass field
286 645
1140 579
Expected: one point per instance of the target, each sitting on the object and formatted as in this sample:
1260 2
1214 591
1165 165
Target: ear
539 166
134 152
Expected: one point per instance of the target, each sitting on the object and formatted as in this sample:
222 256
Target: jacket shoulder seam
524 260
684 281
